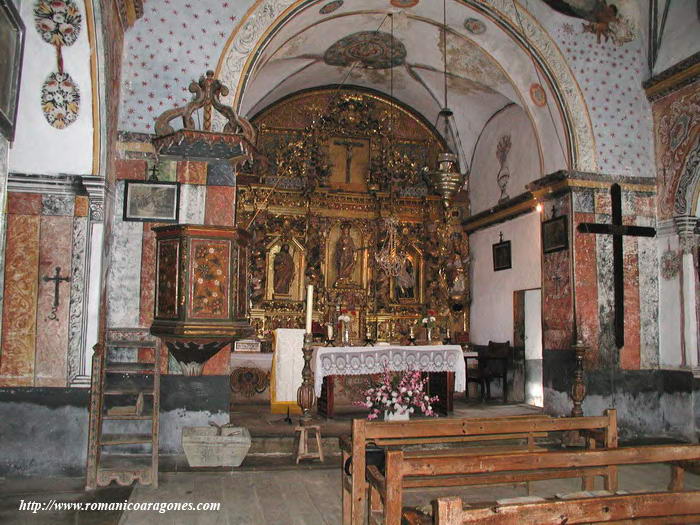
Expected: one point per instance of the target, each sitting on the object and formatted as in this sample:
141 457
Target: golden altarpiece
344 173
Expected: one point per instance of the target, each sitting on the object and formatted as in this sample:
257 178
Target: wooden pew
673 506
601 429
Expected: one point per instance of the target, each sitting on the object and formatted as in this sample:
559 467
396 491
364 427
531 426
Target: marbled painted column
54 252
557 300
148 273
220 205
192 203
21 282
123 283
77 322
685 226
586 275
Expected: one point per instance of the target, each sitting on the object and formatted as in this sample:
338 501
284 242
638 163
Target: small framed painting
501 256
555 235
11 47
151 201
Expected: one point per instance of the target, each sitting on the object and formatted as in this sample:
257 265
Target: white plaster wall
670 336
523 160
492 292
38 146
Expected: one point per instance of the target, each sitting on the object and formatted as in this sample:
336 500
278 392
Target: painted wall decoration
161 50
503 176
58 22
60 100
474 26
670 264
607 21
609 76
538 95
331 6
404 3
677 119
374 49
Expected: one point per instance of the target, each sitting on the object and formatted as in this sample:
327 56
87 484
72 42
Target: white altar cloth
288 363
361 360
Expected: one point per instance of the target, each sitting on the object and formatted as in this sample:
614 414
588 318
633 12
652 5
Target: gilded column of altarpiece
340 163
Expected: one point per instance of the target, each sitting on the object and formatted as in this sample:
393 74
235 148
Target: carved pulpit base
192 355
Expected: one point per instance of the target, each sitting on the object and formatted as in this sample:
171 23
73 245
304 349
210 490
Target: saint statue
406 281
283 269
344 256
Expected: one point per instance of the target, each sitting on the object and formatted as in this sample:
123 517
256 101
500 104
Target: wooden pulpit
201 291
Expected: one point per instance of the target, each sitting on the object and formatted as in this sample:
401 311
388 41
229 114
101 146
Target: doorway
527 338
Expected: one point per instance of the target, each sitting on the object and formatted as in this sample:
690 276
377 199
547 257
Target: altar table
365 360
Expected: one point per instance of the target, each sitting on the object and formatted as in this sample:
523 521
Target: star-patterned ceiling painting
174 43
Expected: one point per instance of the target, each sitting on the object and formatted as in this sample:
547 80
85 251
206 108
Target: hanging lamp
447 180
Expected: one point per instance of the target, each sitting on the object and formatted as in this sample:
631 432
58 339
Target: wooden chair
493 364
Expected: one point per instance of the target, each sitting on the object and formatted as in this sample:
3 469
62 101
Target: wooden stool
303 448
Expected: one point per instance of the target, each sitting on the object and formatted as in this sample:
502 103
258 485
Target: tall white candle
309 306
330 331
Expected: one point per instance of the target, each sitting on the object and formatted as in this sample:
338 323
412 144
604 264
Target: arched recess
687 195
568 110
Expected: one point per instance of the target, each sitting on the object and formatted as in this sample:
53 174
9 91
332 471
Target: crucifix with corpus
618 231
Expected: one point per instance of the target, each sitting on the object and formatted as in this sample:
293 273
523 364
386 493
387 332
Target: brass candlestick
578 389
306 398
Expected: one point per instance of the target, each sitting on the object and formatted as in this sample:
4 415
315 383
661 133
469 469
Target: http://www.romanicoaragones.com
126 505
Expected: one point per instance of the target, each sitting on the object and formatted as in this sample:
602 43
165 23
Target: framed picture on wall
555 235
501 255
151 201
11 47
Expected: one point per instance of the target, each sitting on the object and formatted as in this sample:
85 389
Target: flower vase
429 334
396 416
346 334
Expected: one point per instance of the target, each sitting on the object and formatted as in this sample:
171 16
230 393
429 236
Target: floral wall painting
59 22
11 47
503 176
373 49
670 264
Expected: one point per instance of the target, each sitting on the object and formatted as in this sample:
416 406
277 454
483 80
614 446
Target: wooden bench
495 431
673 506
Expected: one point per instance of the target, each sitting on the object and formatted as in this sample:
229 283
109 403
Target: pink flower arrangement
398 392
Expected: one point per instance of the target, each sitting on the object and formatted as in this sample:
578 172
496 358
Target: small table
444 364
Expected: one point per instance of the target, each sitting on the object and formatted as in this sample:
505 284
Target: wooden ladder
124 394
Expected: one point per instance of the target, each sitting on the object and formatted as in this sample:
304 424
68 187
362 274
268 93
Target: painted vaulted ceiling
334 41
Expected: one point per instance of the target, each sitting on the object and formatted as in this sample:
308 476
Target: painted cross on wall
618 231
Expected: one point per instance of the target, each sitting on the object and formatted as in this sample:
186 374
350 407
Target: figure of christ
344 256
349 145
283 271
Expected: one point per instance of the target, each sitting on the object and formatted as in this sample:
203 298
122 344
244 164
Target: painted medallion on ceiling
474 26
372 49
330 7
404 3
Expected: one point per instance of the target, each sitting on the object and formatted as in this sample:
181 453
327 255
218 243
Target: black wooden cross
618 231
56 298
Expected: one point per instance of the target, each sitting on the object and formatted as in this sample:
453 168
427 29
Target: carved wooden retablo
339 163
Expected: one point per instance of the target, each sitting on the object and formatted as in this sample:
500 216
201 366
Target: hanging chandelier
389 260
447 180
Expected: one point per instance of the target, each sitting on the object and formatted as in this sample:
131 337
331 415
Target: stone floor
272 497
